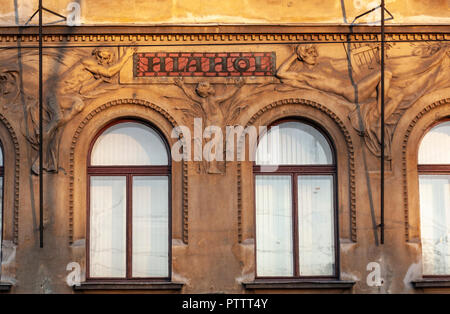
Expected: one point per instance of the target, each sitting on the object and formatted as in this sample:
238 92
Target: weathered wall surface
230 11
213 232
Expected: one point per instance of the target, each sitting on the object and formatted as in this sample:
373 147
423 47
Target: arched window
434 186
128 203
295 176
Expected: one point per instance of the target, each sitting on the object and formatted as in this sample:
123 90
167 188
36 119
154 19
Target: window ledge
431 283
5 286
299 284
138 285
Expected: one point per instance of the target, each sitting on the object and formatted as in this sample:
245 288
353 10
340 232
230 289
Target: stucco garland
350 149
75 138
404 158
15 141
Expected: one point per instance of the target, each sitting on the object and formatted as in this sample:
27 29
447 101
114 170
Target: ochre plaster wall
229 11
213 239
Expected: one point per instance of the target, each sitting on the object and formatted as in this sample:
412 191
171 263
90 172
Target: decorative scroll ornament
214 110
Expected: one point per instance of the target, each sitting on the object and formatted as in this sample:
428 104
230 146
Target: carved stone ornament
215 111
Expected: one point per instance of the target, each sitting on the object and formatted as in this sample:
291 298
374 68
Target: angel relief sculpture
65 96
216 111
407 78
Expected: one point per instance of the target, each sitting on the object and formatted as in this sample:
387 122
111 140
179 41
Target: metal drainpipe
382 129
41 155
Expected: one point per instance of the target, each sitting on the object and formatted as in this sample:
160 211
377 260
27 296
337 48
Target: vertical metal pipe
41 155
382 129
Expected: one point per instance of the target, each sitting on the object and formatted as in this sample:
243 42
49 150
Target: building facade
211 152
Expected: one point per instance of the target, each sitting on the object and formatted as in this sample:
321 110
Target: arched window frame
430 169
294 171
129 172
433 168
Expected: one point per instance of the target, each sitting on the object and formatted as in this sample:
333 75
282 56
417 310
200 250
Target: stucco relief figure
413 72
64 97
213 109
325 76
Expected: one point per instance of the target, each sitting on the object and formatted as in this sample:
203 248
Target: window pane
129 144
1 157
293 143
315 225
150 226
435 223
435 146
274 226
108 227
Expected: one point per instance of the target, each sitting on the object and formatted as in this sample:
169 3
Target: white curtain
108 226
293 143
435 146
131 144
150 226
315 225
274 226
435 223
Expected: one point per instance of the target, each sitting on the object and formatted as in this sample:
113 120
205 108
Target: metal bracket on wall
391 17
41 155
